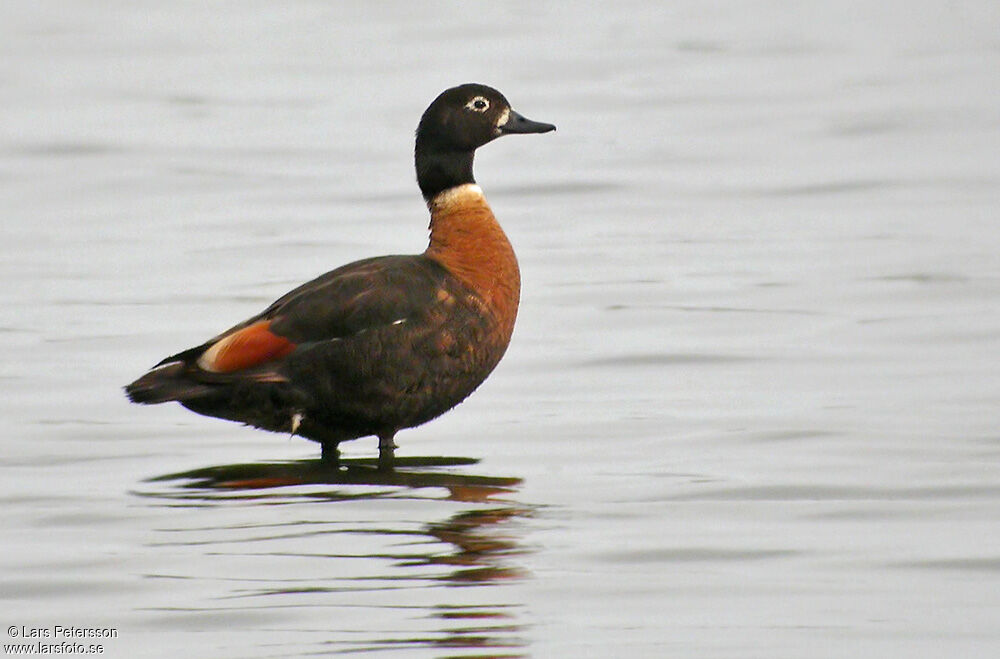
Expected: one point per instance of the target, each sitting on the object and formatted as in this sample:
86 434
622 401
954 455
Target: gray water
750 408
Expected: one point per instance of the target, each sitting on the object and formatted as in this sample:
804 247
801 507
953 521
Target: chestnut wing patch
250 346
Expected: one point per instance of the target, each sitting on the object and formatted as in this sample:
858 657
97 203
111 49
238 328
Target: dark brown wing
357 297
348 301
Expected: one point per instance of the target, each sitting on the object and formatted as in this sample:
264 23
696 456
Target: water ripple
388 543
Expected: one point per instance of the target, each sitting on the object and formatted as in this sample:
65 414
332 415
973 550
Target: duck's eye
478 104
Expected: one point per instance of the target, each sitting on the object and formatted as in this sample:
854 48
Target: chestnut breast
468 241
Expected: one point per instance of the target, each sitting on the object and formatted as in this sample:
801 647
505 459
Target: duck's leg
331 454
386 448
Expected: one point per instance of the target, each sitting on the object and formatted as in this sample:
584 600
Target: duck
381 344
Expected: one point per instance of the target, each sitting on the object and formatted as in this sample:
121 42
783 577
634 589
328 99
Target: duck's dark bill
517 124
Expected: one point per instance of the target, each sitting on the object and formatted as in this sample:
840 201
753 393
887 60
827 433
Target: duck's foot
331 454
386 452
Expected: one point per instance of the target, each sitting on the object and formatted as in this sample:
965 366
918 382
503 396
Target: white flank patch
167 365
207 360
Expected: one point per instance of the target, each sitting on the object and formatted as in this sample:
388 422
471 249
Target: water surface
751 405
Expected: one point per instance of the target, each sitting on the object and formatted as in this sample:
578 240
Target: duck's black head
458 122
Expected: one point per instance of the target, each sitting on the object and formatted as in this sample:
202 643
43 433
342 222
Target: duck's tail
164 384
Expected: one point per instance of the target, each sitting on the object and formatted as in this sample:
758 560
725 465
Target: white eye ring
478 104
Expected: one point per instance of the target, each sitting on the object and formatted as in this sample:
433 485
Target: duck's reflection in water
296 559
